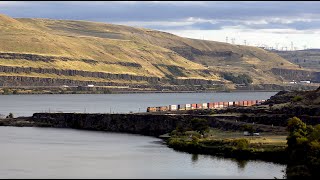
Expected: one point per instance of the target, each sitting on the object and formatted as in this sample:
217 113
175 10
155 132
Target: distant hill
309 58
55 52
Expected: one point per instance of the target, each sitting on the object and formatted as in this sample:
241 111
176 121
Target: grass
117 43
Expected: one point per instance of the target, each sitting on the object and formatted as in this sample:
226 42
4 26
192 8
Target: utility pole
227 39
291 46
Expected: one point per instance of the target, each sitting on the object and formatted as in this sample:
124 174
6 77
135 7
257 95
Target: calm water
26 105
28 152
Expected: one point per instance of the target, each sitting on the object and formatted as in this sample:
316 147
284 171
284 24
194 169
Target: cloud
276 16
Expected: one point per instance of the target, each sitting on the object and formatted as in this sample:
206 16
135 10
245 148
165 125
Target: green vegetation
10 115
199 125
201 139
239 79
303 149
297 98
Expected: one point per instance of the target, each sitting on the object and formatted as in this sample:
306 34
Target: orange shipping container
245 103
216 105
236 103
225 104
210 105
199 106
193 106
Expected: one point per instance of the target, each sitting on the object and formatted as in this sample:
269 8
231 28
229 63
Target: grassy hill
309 58
90 51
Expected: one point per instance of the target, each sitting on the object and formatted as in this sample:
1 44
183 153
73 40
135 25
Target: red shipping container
253 102
193 106
245 103
249 103
210 105
199 106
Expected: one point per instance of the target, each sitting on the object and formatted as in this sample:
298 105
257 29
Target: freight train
209 105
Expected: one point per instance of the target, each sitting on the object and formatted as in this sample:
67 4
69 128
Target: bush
297 98
200 125
6 91
240 79
10 115
240 143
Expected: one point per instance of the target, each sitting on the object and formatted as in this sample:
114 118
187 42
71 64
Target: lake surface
30 152
26 105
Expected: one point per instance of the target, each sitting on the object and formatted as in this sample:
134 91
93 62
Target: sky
283 25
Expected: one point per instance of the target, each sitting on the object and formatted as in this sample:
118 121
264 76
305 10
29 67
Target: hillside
309 58
55 52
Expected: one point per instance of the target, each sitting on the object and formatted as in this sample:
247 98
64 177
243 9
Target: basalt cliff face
37 52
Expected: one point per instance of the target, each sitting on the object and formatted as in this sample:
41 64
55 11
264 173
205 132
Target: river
30 152
26 105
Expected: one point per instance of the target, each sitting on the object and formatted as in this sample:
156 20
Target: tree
10 115
200 125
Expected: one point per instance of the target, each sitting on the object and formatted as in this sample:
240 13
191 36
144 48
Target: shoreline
146 124
146 92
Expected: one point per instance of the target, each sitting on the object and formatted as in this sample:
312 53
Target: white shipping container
188 105
172 107
221 106
204 105
230 103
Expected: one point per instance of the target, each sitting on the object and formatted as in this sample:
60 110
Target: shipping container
211 105
253 102
216 105
181 107
188 106
225 104
245 103
220 105
164 108
172 107
242 103
199 106
151 109
193 106
249 103
236 103
230 104
204 105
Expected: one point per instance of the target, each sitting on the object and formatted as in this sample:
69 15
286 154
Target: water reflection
194 158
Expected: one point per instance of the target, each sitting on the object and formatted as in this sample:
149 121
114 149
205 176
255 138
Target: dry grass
116 43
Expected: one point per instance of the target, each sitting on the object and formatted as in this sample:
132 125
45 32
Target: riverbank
232 144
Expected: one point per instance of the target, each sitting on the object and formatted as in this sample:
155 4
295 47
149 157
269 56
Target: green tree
200 125
6 91
10 115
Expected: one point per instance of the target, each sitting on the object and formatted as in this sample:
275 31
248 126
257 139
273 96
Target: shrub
297 98
200 125
10 115
240 143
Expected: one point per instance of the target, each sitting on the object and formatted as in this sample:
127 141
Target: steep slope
55 52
